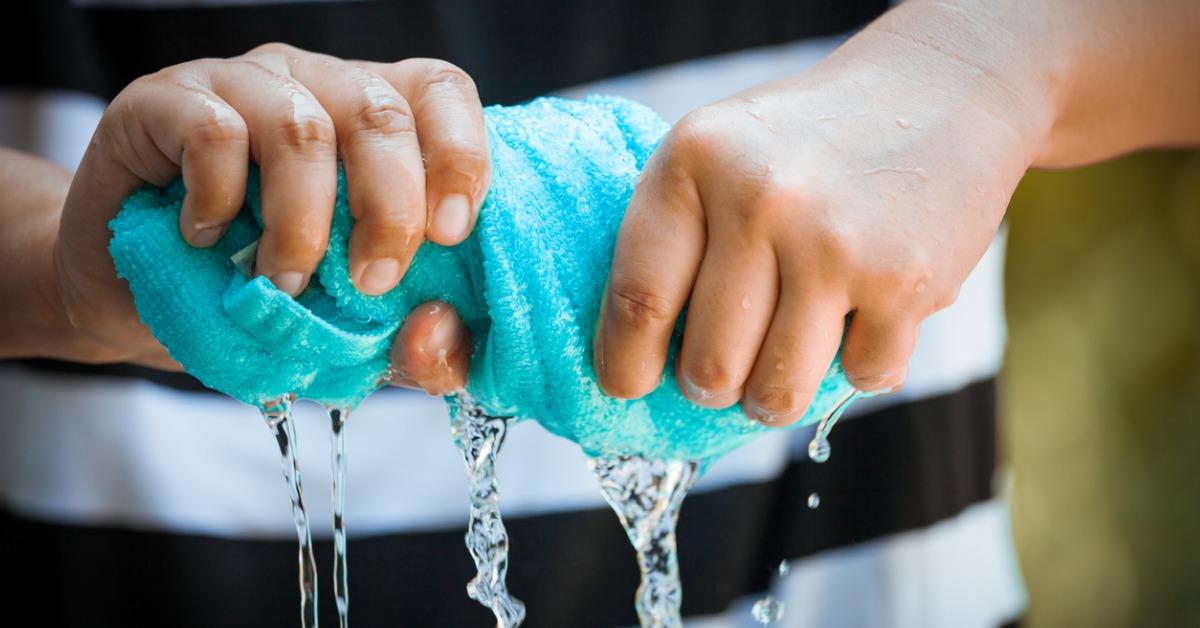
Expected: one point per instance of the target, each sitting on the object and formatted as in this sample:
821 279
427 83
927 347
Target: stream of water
277 415
337 447
646 495
479 438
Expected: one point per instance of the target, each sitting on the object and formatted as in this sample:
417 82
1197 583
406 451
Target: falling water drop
337 442
646 495
277 415
814 501
819 448
767 610
784 568
478 438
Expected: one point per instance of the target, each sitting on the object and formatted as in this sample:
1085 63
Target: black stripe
897 469
515 49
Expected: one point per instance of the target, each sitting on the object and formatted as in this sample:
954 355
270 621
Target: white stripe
108 450
958 573
54 124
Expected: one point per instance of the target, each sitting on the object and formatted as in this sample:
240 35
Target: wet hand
410 136
774 215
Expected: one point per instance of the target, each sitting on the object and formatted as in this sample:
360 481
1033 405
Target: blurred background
1102 391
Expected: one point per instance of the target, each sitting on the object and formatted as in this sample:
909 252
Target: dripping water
337 443
769 609
647 495
278 414
814 500
479 437
819 448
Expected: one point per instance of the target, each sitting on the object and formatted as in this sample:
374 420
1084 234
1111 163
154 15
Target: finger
657 256
432 350
877 349
293 140
728 316
382 157
158 126
449 121
798 350
216 158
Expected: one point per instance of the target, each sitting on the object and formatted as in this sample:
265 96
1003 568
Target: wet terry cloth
527 282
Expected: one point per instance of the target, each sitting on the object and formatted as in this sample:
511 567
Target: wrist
978 54
33 319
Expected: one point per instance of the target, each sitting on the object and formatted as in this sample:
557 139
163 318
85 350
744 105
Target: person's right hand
410 136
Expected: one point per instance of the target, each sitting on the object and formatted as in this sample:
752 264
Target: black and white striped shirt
131 496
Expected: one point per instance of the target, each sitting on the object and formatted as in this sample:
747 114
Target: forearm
1078 81
30 314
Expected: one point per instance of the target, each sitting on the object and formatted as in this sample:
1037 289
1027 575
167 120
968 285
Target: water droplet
904 123
767 611
746 302
819 449
784 568
814 500
920 287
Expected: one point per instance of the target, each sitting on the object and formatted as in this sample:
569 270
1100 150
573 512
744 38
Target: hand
410 136
859 189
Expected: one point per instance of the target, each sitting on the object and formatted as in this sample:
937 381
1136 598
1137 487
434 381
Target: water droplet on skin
903 123
814 500
784 568
767 611
754 114
746 302
920 287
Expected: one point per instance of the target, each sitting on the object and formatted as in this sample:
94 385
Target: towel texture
528 283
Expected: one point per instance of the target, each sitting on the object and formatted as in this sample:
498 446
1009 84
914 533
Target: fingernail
452 217
692 391
759 413
206 236
289 282
443 337
379 276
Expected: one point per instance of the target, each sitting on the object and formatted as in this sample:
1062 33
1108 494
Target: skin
864 190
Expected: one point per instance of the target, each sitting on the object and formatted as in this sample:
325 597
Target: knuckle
218 126
637 307
308 135
699 134
780 400
276 48
443 75
711 375
387 117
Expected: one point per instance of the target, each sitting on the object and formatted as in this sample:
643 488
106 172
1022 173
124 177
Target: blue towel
527 282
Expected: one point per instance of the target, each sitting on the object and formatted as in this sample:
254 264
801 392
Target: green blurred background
1102 391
